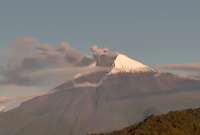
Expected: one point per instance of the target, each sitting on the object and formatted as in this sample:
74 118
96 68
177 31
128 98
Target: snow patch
123 63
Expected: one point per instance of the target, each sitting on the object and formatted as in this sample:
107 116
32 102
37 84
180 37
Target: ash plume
27 55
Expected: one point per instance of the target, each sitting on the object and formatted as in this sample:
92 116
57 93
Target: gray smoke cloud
29 67
27 55
103 56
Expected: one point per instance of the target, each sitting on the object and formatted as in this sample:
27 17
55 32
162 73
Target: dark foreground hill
185 122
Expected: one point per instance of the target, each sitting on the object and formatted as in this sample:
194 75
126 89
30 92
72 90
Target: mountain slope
100 101
185 122
116 102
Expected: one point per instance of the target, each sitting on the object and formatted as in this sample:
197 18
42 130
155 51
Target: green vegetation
185 122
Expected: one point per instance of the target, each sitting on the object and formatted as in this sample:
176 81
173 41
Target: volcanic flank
116 93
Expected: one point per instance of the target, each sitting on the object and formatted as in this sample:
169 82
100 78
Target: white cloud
189 67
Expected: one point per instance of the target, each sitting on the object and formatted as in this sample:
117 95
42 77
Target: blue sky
153 31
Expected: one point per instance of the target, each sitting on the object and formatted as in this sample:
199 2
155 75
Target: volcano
108 97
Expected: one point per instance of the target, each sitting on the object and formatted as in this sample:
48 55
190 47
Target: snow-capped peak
123 63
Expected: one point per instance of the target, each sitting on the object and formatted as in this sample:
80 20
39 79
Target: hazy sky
153 31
